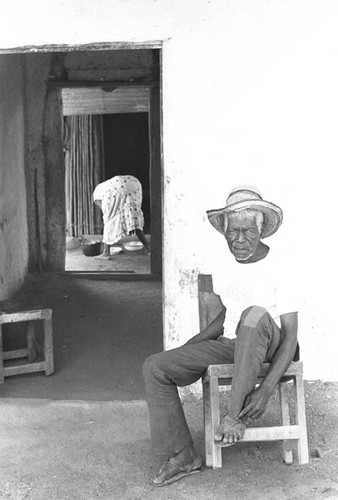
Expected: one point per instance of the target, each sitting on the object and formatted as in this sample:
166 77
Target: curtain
84 165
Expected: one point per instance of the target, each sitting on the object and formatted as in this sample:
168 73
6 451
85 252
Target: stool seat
28 317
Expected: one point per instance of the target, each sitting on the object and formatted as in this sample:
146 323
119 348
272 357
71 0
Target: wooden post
48 346
285 414
156 191
208 437
30 341
2 375
302 444
215 421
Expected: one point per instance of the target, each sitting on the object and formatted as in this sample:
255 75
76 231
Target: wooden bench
29 318
216 375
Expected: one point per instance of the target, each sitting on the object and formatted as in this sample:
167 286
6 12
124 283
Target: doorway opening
118 146
111 128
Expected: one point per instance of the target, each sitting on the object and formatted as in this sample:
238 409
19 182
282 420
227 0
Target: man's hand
211 332
255 404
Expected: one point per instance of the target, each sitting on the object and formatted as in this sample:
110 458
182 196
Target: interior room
98 147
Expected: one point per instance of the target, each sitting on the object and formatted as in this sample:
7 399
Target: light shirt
264 283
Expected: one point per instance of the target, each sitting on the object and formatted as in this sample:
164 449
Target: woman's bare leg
141 236
105 255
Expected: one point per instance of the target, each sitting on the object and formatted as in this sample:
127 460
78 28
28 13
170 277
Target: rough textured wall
13 214
44 165
37 73
54 171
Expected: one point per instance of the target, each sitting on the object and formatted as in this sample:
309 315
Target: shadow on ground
103 331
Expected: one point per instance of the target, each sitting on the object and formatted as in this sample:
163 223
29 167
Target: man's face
242 235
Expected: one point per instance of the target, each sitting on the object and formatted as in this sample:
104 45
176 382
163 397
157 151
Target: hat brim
273 215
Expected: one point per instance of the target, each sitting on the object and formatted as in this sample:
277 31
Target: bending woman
120 199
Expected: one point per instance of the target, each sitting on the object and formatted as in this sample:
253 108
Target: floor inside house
103 331
125 262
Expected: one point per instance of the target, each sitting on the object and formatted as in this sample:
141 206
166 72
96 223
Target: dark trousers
257 339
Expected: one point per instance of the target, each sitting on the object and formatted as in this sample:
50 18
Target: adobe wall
13 212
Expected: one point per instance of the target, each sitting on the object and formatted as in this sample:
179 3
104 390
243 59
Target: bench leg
2 375
48 346
31 341
302 443
207 423
285 413
215 421
213 453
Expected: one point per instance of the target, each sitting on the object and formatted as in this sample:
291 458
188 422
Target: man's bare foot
102 256
145 250
230 431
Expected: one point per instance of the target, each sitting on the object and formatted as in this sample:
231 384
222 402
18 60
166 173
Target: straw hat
243 198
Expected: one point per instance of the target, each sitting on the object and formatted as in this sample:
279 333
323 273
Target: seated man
260 326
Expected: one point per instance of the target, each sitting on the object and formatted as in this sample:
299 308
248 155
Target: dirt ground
73 450
66 449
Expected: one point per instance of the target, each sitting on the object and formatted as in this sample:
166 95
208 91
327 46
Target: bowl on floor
115 250
133 246
91 248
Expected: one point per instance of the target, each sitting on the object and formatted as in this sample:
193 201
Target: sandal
171 471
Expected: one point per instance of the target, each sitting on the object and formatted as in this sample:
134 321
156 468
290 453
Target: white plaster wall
249 95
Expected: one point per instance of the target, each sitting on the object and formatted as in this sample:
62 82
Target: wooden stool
222 375
28 317
216 375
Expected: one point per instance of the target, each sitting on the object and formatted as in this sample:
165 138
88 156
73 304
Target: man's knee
154 367
253 315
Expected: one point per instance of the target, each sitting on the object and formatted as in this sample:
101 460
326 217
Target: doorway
97 148
121 123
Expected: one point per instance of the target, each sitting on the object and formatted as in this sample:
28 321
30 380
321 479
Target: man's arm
257 400
212 331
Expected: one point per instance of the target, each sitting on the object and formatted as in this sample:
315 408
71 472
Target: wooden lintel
108 85
102 46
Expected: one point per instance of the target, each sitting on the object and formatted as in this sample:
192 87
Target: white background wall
249 96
